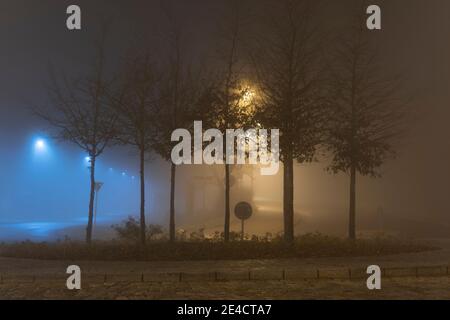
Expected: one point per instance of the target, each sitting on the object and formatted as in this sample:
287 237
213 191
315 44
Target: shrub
129 231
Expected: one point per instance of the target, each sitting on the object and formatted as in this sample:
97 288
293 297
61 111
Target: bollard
350 274
318 274
142 277
283 275
249 275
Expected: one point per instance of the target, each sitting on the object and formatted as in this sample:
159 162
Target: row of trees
338 102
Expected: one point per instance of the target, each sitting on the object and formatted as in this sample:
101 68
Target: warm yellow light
247 99
248 96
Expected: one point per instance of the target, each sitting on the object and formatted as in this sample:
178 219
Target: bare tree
285 57
135 104
226 110
366 115
179 92
80 114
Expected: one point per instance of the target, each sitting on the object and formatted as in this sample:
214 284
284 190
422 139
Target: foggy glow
40 145
248 96
46 179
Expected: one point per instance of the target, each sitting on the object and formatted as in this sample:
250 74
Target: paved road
403 288
398 288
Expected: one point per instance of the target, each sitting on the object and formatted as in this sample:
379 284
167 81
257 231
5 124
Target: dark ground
123 279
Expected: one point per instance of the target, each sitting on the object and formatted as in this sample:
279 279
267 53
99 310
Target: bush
130 231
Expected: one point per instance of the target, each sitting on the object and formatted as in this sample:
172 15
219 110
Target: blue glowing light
41 150
40 145
53 178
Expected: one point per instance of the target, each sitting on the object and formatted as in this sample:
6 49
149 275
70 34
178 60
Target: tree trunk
352 210
172 203
288 199
142 213
226 231
91 203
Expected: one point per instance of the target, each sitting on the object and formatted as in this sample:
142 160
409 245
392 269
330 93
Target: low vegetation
198 246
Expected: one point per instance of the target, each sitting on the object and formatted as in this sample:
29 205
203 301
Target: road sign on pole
243 211
97 187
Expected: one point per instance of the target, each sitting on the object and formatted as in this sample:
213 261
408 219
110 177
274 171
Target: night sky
51 186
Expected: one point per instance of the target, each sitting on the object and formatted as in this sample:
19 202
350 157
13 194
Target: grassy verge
310 245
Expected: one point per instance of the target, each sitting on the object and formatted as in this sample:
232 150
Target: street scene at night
195 150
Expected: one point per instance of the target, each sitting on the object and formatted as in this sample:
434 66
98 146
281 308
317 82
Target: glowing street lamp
247 100
248 96
40 145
